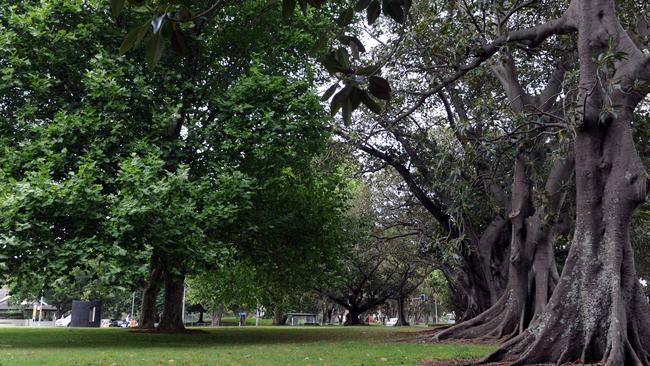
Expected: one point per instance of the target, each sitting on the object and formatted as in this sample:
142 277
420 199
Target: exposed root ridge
499 323
612 331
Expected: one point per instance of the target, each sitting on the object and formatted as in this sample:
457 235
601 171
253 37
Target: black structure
86 314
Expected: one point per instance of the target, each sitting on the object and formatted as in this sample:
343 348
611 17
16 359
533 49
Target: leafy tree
50 227
163 25
611 85
385 260
70 121
605 203
167 215
367 280
410 248
119 152
437 290
610 178
232 283
63 290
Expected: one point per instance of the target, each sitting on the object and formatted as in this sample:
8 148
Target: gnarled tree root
499 323
589 319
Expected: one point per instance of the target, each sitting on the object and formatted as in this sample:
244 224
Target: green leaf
368 70
362 4
116 7
329 92
339 99
179 45
154 50
370 103
346 17
355 98
373 11
346 111
394 10
337 61
133 38
343 57
157 23
331 62
379 87
355 45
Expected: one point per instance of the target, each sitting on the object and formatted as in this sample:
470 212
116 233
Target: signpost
132 305
40 312
183 315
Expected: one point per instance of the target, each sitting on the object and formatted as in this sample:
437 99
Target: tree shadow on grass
61 338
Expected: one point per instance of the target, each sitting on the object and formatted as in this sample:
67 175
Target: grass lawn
250 321
277 346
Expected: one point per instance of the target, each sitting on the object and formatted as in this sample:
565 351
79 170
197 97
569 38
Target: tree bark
480 283
172 316
150 294
532 274
479 294
598 312
279 318
353 317
215 318
402 320
327 315
531 270
201 316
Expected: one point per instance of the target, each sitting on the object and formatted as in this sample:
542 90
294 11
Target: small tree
232 283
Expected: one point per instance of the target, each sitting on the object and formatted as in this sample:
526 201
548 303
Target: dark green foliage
166 19
103 163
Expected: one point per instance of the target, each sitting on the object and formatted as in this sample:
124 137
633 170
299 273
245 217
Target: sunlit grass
281 346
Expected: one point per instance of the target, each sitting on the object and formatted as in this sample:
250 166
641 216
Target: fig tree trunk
279 318
327 315
598 311
532 274
353 317
172 316
216 315
481 275
328 310
401 312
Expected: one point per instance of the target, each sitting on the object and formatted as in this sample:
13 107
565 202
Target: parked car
114 323
63 322
118 323
391 322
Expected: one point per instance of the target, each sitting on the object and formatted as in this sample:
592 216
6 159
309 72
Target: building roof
5 295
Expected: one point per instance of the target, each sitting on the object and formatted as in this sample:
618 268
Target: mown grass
232 320
272 346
